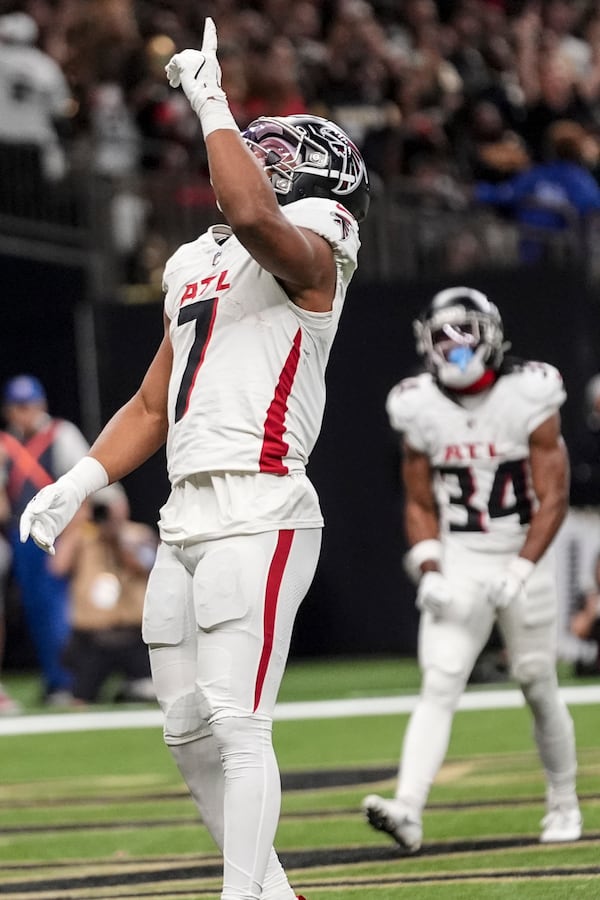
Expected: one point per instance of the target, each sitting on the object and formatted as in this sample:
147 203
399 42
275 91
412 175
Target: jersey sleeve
334 223
542 391
403 404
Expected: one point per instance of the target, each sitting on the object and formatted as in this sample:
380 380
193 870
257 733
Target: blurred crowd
442 97
463 88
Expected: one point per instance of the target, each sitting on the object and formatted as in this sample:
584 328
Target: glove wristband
521 568
214 114
89 476
423 551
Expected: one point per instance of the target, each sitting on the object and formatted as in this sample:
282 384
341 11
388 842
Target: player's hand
198 71
49 512
509 586
434 593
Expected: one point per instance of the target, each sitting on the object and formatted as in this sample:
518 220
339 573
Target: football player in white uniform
237 392
485 473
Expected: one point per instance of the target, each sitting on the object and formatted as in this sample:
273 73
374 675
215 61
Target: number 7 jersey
247 387
479 450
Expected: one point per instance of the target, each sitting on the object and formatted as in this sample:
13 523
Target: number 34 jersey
247 389
479 450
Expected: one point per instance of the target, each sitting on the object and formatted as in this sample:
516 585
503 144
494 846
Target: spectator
550 197
108 560
8 706
585 625
34 99
578 540
485 148
38 448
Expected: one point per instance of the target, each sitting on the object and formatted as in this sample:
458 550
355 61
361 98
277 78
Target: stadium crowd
446 99
470 85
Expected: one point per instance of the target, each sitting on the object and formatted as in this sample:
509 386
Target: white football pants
448 650
218 619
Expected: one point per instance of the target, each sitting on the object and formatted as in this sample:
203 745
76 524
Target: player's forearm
131 437
420 523
241 188
545 525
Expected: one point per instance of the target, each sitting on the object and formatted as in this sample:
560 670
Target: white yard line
320 709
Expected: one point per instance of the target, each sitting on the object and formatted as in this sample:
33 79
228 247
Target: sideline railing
123 228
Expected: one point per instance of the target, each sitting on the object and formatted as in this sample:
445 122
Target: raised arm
302 260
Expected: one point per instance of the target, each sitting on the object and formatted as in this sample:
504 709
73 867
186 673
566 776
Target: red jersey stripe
274 448
274 579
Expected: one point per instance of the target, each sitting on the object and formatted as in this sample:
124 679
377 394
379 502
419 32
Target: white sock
423 751
199 763
555 739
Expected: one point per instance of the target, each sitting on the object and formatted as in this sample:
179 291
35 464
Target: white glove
199 74
506 587
50 511
433 593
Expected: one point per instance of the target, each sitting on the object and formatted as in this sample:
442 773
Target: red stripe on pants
274 578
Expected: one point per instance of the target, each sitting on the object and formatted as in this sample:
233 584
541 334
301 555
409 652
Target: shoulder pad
540 382
405 400
329 219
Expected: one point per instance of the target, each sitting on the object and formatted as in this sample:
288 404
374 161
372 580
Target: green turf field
103 814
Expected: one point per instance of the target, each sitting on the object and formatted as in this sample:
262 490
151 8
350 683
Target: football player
485 473
236 390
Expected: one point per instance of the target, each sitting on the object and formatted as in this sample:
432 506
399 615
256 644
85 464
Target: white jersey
479 450
247 388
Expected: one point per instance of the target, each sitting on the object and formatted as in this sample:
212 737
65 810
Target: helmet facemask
459 345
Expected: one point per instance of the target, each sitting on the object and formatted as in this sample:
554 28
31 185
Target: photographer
108 558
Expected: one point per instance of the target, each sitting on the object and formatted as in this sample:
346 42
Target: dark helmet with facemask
308 156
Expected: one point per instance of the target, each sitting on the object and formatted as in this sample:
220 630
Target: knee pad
444 689
184 719
531 668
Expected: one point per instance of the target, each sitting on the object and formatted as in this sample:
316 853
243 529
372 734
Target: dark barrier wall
37 328
360 601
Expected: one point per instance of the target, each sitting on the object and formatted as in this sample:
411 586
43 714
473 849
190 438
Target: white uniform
247 390
478 447
480 451
241 529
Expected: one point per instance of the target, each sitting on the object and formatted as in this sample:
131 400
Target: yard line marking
319 709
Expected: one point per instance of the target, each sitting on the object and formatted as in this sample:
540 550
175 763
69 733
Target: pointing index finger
209 39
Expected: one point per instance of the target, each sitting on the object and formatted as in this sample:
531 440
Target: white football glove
199 74
508 586
434 593
50 511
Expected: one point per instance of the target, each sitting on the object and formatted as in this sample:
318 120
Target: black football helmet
460 335
308 156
